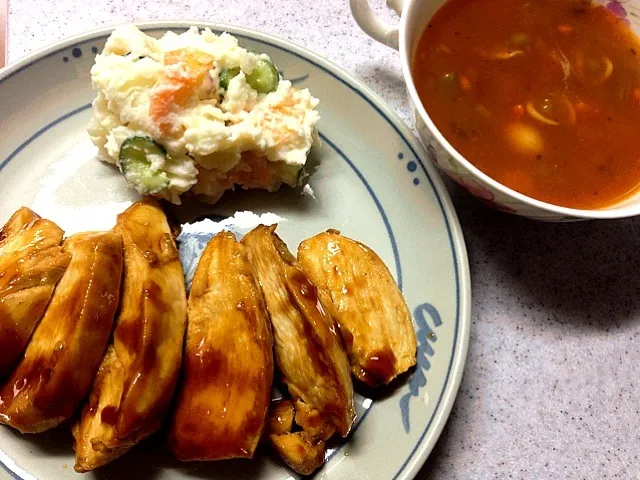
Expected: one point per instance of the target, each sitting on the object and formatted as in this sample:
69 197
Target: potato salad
197 112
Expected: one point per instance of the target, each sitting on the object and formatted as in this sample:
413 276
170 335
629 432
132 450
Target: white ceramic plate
373 182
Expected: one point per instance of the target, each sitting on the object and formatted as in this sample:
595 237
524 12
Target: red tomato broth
523 90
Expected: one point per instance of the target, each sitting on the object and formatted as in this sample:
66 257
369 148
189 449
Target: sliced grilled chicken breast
309 352
137 377
67 346
31 263
228 366
301 452
20 220
373 317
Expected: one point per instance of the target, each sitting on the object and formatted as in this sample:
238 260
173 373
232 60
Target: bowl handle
373 26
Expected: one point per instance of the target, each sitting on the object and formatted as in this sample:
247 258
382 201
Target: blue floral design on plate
425 336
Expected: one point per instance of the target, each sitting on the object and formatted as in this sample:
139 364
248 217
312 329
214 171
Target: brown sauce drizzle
306 295
109 415
379 367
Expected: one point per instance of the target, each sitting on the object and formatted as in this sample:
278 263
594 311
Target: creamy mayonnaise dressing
207 128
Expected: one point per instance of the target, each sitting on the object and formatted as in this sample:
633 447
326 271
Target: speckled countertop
550 388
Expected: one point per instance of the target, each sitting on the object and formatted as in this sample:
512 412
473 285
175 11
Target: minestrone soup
541 95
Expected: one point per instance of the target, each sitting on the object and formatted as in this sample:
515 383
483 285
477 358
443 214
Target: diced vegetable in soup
541 95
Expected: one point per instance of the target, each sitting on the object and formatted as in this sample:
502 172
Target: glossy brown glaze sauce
214 428
203 432
109 415
379 367
315 323
149 248
48 384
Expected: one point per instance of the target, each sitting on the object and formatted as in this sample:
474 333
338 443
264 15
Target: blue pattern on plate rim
412 166
418 376
425 336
